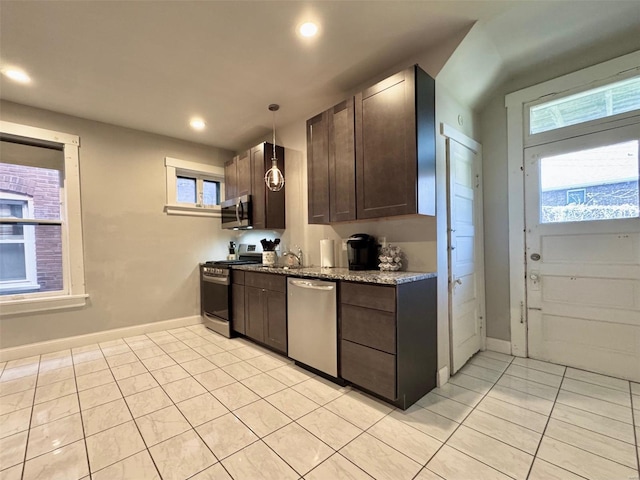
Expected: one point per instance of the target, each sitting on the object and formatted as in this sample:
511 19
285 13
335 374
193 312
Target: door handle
534 277
458 281
311 285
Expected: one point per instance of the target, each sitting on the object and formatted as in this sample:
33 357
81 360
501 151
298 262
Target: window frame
73 294
175 168
583 191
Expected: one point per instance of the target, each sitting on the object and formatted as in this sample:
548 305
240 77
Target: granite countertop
364 276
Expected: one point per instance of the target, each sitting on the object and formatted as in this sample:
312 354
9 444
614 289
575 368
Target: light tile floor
188 403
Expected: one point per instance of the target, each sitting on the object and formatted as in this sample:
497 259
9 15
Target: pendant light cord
274 134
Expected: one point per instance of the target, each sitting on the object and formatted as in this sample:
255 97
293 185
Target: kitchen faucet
297 257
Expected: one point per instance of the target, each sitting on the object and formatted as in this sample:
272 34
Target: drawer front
237 277
369 368
372 328
268 281
368 296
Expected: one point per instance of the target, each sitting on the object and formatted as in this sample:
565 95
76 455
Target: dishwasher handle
311 285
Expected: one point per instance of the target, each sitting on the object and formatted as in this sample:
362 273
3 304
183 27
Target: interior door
466 259
583 252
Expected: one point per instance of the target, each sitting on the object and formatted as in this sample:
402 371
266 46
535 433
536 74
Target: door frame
517 108
451 133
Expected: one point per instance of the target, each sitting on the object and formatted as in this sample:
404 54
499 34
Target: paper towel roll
327 254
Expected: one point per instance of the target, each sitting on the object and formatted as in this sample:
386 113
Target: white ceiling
154 65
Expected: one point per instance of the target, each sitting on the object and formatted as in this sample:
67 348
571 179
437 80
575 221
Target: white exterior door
466 259
582 235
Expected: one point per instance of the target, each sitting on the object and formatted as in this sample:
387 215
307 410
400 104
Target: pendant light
274 177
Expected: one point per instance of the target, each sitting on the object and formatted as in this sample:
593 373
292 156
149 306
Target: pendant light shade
274 177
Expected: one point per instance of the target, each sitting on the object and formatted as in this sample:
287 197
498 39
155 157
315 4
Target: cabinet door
386 163
275 334
342 162
369 368
237 306
243 162
258 186
231 179
254 313
318 169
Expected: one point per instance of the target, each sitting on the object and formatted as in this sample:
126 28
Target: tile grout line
84 437
132 419
636 427
535 456
33 403
186 419
460 424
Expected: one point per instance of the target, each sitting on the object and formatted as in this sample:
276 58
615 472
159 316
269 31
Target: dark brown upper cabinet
237 176
342 164
268 207
379 150
331 165
395 146
318 168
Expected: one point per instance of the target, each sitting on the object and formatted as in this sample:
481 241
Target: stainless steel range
215 291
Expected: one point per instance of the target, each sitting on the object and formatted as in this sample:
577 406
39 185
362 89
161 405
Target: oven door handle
218 280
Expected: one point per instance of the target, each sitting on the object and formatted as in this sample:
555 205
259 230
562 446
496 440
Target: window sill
193 211
42 304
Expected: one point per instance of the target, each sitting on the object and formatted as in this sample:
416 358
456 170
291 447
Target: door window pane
595 184
211 195
601 102
186 190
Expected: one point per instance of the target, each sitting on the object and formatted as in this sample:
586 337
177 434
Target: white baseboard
500 346
443 376
56 345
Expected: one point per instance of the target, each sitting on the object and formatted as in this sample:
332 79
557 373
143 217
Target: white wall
141 265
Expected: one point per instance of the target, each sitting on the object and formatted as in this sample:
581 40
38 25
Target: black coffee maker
362 252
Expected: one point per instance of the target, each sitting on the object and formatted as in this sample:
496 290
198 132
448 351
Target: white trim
74 293
515 103
178 209
194 167
450 132
442 376
50 346
38 133
500 346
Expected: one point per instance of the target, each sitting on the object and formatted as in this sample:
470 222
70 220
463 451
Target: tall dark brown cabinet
268 207
244 175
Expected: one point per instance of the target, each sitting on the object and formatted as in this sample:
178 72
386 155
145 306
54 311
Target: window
590 184
605 101
576 196
193 188
41 261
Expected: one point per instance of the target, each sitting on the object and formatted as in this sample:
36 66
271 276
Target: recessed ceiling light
16 75
197 124
308 29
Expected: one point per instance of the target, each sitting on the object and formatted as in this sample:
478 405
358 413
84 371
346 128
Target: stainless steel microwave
236 213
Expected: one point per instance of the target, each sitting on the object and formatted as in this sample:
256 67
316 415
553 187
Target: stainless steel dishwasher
312 324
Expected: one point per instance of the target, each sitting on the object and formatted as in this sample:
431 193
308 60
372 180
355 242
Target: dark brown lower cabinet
389 339
265 309
369 368
237 303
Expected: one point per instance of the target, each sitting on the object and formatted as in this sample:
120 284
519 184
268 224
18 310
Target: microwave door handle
238 211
